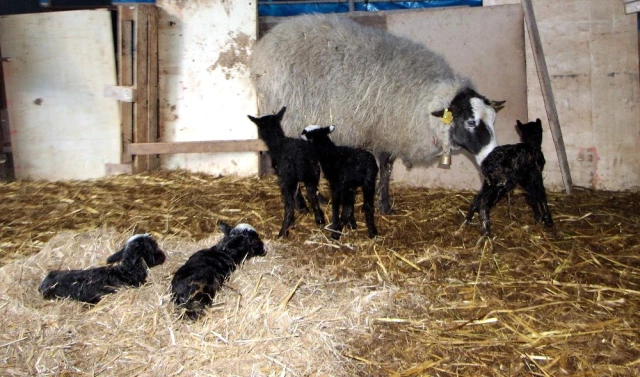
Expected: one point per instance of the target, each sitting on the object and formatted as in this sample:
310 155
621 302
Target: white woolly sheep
392 96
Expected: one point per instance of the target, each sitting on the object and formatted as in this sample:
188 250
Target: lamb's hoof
373 233
322 199
353 225
320 220
303 210
335 235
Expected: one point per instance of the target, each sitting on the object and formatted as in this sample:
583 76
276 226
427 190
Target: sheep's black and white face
139 246
472 122
243 237
314 132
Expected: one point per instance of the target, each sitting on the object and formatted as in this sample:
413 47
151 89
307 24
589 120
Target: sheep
293 162
194 285
140 253
509 165
346 169
395 98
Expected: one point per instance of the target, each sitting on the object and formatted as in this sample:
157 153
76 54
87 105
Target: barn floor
427 297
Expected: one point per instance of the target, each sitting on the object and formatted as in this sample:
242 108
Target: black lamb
507 166
196 283
293 162
140 252
346 169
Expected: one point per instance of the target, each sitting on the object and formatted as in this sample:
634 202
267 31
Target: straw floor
426 297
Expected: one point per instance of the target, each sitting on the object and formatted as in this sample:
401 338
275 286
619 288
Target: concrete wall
591 49
204 86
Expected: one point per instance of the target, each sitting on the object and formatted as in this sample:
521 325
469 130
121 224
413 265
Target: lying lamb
293 162
346 169
509 165
196 283
140 253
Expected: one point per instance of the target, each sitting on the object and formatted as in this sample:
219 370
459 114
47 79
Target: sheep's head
269 124
313 132
531 132
139 246
241 241
471 118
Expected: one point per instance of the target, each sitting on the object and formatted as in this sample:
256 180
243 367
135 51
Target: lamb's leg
336 202
312 195
531 188
301 205
348 202
542 204
368 206
288 197
488 199
386 164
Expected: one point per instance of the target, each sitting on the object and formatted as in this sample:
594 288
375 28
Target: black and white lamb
391 96
507 166
140 252
293 162
196 283
346 169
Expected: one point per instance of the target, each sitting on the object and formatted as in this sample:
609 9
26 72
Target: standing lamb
510 165
346 169
394 97
140 253
293 162
196 283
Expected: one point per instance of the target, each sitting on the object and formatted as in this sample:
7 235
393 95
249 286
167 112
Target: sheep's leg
336 202
301 205
386 164
348 202
368 206
288 197
312 195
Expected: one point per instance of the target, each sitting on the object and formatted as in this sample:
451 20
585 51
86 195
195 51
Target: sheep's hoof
283 233
320 220
335 235
385 209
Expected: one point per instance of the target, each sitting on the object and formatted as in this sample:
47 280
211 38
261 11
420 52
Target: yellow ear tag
447 118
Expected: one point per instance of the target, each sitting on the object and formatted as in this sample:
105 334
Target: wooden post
547 93
125 75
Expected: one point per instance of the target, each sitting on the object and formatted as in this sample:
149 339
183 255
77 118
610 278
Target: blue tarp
292 9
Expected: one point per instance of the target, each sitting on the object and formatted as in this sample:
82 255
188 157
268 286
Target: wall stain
234 56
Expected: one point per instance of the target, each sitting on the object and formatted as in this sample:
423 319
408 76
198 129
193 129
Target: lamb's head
531 132
241 242
269 124
139 246
471 118
315 133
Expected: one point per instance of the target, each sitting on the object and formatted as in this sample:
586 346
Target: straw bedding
425 298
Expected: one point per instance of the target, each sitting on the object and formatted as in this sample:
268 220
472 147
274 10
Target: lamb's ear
332 128
253 119
538 121
519 123
438 114
281 112
224 227
117 257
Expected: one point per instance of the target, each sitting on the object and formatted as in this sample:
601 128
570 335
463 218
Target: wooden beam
218 146
141 114
547 93
125 75
632 6
152 81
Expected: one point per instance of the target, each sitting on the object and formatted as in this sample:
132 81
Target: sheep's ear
438 114
117 257
253 119
281 112
224 227
497 105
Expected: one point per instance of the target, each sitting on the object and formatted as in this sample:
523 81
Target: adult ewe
394 97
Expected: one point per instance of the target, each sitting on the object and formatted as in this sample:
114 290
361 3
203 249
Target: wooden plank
152 72
632 7
141 114
547 93
121 93
125 75
214 146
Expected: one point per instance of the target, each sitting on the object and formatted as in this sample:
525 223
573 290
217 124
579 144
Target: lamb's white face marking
486 113
241 227
136 236
332 128
312 127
